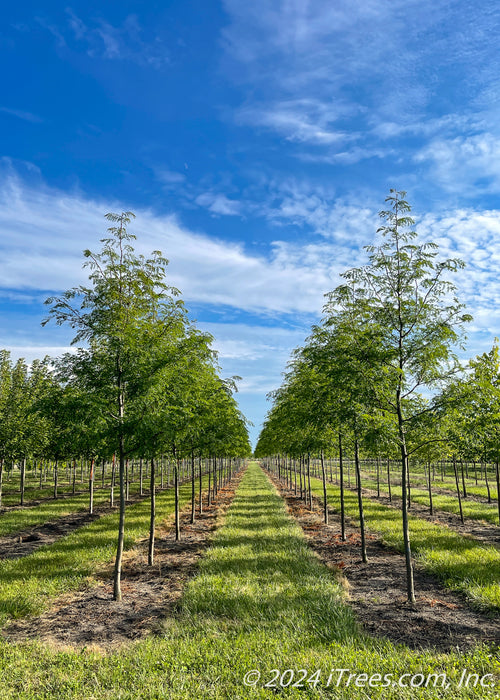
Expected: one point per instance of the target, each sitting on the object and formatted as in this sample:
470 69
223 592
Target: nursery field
246 604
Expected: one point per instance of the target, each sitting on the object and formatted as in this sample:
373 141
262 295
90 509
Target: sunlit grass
460 562
261 600
449 504
27 585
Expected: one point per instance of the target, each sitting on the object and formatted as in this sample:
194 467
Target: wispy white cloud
169 178
218 204
465 164
340 80
21 114
301 120
101 39
44 231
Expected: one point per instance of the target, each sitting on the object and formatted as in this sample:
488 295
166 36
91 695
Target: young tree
122 315
405 302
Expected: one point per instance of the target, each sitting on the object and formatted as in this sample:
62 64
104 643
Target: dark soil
90 618
25 542
486 533
440 620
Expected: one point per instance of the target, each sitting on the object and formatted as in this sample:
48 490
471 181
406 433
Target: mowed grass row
11 487
11 499
261 600
460 562
447 503
27 585
18 519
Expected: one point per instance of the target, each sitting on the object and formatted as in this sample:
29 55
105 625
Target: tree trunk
389 478
378 476
325 500
431 507
91 488
360 502
112 488
193 488
209 495
200 484
463 478
23 478
55 477
458 489
410 587
152 488
117 593
487 482
309 481
141 485
1 479
342 499
176 490
127 487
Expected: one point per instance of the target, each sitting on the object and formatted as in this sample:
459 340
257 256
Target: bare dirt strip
439 620
480 530
90 618
25 542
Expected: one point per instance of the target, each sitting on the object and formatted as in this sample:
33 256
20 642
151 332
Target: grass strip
449 504
27 585
461 563
262 600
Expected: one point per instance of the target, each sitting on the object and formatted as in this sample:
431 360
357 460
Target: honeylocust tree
411 321
121 316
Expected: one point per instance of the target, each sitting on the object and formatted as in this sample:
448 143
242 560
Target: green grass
261 600
27 585
11 497
449 504
18 519
460 562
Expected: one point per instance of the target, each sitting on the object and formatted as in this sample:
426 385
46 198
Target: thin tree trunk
389 478
117 592
1 479
200 484
209 495
458 489
112 488
487 482
410 586
193 488
342 499
176 489
309 481
378 476
127 488
463 478
431 507
23 478
141 477
325 500
91 488
55 477
360 502
152 518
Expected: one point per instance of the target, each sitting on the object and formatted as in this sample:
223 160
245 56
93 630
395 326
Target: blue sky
256 143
